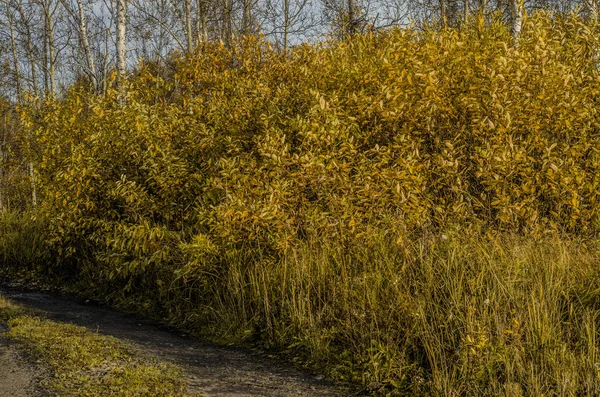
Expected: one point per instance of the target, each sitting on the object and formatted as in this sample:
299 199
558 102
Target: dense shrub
22 245
15 186
295 198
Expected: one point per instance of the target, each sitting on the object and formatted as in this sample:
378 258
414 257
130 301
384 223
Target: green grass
84 363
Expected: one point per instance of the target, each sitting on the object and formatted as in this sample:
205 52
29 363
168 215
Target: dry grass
449 315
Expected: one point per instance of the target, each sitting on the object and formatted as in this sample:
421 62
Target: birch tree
517 7
227 22
49 9
444 12
121 41
289 21
14 53
24 23
352 18
84 42
247 28
189 34
202 21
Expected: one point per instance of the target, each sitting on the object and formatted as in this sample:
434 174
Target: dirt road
215 371
17 375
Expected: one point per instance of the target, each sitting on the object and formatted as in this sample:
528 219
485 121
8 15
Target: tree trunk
188 26
50 65
202 21
517 17
247 18
33 185
15 56
352 24
87 50
227 30
444 12
286 25
107 35
592 9
29 45
121 41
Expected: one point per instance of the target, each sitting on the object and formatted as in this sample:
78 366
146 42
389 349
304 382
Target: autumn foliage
202 192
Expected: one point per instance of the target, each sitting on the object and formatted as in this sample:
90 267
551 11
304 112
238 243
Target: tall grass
21 243
442 315
449 314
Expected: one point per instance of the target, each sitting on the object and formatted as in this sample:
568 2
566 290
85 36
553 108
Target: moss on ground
83 363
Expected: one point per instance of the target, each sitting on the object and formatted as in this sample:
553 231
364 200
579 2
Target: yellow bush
210 177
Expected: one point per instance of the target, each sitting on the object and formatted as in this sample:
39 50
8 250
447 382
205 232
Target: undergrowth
448 314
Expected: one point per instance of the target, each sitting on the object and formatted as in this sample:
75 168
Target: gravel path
215 371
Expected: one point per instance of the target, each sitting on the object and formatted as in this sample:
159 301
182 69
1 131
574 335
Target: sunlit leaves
253 151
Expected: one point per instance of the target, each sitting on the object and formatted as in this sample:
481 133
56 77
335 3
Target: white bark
49 46
105 66
121 42
85 43
517 17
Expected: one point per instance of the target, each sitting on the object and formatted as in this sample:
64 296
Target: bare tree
289 21
49 9
444 12
15 56
30 50
592 9
227 22
352 18
84 41
247 28
189 34
121 42
517 7
155 27
202 21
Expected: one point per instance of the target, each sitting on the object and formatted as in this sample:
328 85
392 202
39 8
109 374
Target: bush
300 200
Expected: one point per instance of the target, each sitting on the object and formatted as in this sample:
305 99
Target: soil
18 378
214 371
